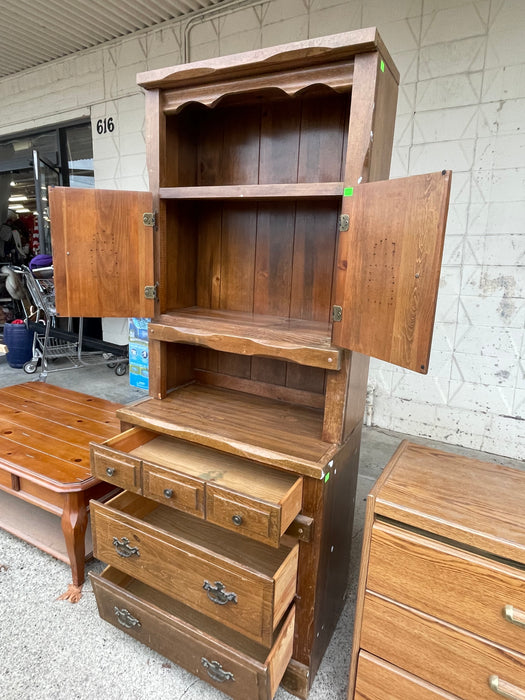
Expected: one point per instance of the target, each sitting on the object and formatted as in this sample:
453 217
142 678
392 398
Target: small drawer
377 680
226 660
443 655
115 467
476 593
173 489
235 493
245 585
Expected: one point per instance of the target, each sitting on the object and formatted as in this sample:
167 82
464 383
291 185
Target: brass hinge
344 222
337 313
150 291
148 218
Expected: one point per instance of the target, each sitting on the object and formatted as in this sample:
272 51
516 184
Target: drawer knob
125 618
216 671
123 548
237 519
168 493
517 617
218 595
110 471
505 689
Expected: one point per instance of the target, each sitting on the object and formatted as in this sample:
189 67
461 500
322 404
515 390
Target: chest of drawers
441 602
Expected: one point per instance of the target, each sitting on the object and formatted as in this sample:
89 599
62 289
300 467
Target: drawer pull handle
517 617
125 618
216 671
110 471
123 548
168 493
237 519
218 595
506 690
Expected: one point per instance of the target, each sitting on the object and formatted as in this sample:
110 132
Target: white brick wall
461 106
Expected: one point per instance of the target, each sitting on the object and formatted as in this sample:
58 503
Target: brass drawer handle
168 493
218 595
110 471
237 519
216 671
506 690
125 618
517 617
123 548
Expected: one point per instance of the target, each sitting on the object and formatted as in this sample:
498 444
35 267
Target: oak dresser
441 600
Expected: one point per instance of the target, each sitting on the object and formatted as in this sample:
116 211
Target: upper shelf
304 342
310 190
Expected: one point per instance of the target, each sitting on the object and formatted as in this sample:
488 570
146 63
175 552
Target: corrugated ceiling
33 32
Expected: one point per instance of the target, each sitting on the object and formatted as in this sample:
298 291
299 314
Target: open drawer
240 495
240 668
245 585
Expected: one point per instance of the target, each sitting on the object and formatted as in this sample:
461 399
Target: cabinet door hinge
150 291
337 313
344 222
149 219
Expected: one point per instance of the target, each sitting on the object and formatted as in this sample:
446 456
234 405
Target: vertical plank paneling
209 256
322 138
240 152
273 258
313 261
210 154
238 256
279 141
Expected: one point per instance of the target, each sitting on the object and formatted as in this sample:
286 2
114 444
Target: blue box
138 353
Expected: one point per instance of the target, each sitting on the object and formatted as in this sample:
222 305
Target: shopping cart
55 340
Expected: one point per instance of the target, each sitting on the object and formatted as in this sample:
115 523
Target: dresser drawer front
173 489
238 597
185 639
377 680
249 517
116 468
440 654
467 590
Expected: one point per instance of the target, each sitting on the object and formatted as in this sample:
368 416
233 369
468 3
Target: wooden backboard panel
102 252
395 244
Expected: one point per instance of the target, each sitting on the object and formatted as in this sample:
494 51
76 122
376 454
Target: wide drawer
240 495
473 592
245 585
379 680
441 654
240 668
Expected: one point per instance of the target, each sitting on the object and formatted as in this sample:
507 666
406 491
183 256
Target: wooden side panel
396 237
102 252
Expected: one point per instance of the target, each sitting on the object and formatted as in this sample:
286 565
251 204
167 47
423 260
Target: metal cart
51 342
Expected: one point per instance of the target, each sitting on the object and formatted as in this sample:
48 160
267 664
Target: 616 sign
105 125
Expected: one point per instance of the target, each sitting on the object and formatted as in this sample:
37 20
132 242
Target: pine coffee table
45 475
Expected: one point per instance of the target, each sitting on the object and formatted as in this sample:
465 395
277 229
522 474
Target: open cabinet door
102 252
388 268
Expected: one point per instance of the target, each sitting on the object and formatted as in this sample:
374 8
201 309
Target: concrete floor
51 649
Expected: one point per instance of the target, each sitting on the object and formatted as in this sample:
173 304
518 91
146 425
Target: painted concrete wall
461 106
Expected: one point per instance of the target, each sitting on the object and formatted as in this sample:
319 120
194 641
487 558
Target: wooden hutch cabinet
273 258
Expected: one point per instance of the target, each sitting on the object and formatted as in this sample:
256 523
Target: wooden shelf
304 342
310 190
265 430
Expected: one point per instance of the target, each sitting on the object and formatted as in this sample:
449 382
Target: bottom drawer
238 666
377 680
